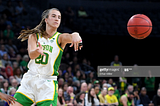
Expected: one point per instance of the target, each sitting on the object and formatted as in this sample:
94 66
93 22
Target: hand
95 96
76 40
72 94
7 98
40 49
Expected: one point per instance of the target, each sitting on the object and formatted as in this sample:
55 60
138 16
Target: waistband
42 76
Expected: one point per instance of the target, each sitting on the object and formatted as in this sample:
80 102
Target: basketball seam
138 26
142 33
144 19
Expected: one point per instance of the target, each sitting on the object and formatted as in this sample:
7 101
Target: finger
71 45
7 102
12 99
39 44
75 45
43 54
80 47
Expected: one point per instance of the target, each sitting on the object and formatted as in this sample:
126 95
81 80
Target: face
92 92
1 79
13 91
82 96
60 92
66 75
69 69
91 75
54 19
143 92
15 65
5 84
26 59
65 87
131 96
135 92
89 86
130 89
96 90
18 58
158 93
60 82
104 92
78 73
84 87
14 83
5 56
111 92
70 90
60 72
110 81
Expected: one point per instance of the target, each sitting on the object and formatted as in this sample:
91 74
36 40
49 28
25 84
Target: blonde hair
40 28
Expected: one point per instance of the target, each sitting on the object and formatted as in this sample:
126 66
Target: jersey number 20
41 59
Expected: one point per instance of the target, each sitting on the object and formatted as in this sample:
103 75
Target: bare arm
124 100
33 50
73 38
132 102
7 98
113 103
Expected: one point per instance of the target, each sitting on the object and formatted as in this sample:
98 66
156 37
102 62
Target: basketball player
45 47
7 98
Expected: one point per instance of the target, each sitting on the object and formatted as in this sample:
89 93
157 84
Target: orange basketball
139 26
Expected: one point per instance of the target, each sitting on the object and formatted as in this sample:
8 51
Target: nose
56 19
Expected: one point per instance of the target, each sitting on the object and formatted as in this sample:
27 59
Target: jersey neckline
53 35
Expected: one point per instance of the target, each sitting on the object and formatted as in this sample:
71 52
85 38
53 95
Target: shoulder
123 97
114 96
107 96
33 36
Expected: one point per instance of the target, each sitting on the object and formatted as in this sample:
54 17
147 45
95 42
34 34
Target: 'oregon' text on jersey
48 64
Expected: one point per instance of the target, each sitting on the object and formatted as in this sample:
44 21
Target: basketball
139 26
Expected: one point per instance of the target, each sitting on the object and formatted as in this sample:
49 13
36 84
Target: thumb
71 45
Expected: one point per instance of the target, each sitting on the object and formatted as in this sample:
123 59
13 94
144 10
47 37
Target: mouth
55 22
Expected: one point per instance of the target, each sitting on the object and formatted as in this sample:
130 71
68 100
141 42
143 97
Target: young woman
79 99
45 48
60 100
91 98
5 87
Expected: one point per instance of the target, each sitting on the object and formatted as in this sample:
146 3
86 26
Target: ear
46 20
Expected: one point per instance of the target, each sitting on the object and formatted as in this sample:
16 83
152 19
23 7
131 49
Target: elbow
31 56
75 33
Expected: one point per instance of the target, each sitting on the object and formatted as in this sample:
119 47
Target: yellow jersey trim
37 36
53 35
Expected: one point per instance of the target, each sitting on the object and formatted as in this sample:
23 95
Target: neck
50 31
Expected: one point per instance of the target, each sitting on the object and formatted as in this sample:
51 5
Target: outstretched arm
7 98
73 38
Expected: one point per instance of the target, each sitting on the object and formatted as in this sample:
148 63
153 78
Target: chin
55 26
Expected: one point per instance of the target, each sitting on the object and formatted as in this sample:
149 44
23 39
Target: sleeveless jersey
128 102
48 64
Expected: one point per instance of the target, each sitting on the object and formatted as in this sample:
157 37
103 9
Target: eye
59 17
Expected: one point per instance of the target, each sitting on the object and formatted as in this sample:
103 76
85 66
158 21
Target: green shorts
35 89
